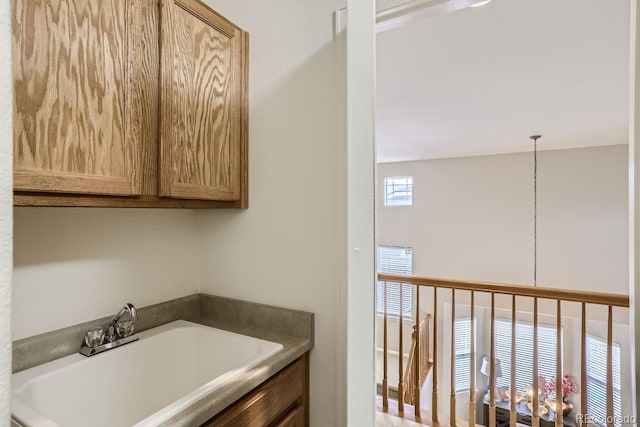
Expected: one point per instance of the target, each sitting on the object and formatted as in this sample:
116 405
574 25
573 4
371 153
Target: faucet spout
127 308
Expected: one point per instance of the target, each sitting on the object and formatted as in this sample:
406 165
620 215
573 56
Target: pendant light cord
535 208
535 212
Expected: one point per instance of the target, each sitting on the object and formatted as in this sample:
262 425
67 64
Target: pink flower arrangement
568 386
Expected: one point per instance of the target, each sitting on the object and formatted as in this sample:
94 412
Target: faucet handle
94 337
125 328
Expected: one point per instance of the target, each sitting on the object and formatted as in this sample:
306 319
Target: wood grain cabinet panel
74 128
201 97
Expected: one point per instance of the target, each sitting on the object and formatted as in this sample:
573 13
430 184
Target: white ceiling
482 80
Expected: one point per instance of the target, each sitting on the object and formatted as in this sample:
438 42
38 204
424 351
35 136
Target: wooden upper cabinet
129 103
75 130
202 73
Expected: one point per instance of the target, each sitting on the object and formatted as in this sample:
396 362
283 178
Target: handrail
409 376
616 300
423 362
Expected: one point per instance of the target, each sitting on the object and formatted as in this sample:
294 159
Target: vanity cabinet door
295 418
203 78
282 401
76 128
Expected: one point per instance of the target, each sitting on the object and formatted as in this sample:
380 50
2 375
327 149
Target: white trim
6 208
358 304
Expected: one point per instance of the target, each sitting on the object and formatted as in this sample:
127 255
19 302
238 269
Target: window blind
597 380
524 353
463 354
398 191
394 260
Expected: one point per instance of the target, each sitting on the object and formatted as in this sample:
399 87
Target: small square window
398 191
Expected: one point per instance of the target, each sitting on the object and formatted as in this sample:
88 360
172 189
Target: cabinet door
270 401
295 418
202 65
74 125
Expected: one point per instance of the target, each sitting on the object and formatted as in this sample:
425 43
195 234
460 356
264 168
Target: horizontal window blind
463 354
398 191
394 260
524 353
597 380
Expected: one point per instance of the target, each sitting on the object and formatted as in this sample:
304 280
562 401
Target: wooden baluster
452 399
583 375
472 364
492 365
425 344
400 357
425 347
610 367
434 368
559 364
385 385
513 414
535 419
417 363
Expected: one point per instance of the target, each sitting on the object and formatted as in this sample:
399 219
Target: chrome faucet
115 329
118 332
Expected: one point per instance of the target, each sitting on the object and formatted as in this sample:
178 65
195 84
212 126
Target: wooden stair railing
418 337
411 380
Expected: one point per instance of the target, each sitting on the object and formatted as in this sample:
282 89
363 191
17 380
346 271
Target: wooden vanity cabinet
134 103
281 401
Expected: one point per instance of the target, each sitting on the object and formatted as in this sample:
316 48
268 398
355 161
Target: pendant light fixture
535 139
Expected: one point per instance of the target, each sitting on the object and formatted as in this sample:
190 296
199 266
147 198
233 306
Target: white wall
76 264
6 197
472 218
287 247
